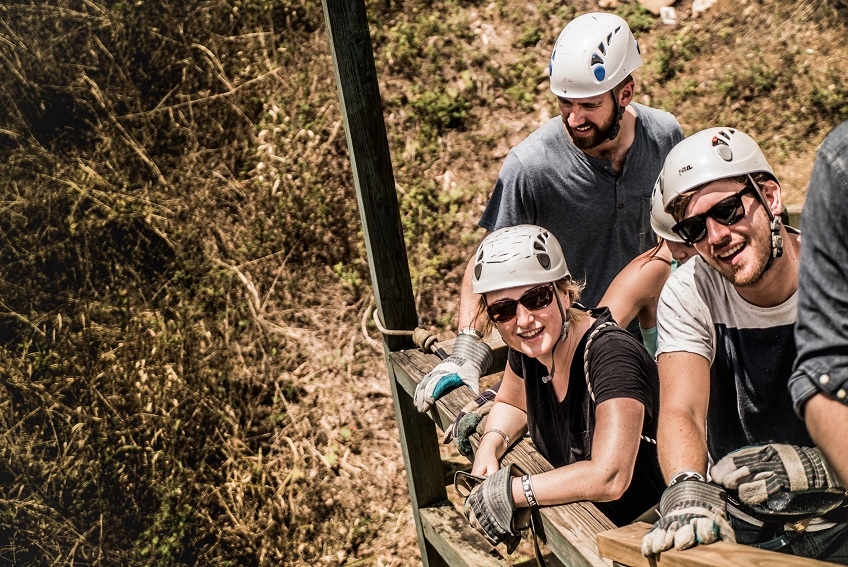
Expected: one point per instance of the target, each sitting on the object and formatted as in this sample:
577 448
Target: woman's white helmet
593 54
707 156
516 256
662 221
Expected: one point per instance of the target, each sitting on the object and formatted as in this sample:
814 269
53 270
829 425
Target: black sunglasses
533 299
727 212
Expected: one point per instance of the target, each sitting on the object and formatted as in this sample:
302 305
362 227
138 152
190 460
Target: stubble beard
749 273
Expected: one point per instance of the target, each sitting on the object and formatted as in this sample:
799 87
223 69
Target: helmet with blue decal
592 55
516 256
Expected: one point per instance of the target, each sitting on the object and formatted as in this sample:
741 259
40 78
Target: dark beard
600 136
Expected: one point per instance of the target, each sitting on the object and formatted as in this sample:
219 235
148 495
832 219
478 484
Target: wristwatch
686 475
471 331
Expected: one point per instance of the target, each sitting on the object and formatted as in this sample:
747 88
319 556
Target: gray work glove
692 512
469 420
489 509
470 359
763 471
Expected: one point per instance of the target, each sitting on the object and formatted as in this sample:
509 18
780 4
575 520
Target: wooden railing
578 534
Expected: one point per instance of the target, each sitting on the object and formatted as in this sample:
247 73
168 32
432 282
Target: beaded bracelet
527 485
499 432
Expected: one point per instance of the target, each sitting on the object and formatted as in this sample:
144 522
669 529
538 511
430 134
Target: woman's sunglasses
727 212
533 299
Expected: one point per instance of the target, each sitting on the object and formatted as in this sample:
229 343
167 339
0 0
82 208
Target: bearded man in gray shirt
586 175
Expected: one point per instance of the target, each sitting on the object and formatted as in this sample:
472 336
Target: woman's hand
485 463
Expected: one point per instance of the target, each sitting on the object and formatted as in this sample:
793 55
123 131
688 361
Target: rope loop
422 338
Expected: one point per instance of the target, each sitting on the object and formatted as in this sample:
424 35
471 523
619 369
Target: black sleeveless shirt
562 431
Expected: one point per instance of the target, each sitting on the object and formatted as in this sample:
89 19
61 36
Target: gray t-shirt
601 220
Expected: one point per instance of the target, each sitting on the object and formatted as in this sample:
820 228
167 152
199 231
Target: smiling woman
584 390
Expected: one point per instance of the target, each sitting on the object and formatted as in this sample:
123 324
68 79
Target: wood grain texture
460 544
624 545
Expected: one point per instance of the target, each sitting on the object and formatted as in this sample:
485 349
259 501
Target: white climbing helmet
707 156
662 221
592 54
517 256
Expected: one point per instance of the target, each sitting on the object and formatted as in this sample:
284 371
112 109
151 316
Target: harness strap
586 367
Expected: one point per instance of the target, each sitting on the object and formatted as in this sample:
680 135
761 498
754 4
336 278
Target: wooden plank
362 110
624 546
460 544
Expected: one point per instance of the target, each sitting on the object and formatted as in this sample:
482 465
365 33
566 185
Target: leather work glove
489 509
470 359
693 512
763 471
469 420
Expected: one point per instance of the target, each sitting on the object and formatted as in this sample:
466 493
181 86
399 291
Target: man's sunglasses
533 299
727 212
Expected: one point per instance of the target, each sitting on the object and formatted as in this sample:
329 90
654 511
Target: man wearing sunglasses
726 348
586 175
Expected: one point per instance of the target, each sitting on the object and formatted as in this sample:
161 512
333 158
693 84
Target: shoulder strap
586 355
589 341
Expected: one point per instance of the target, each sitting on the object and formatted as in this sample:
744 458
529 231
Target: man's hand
693 512
763 471
470 359
489 509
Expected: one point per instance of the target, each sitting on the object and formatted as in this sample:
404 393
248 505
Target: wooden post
362 111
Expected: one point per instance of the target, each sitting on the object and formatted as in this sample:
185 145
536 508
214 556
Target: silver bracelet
471 331
686 475
527 485
499 432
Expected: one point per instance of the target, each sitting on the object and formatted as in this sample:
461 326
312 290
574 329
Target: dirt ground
773 67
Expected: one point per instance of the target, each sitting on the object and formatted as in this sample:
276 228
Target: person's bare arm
608 473
468 300
684 399
635 290
509 416
827 422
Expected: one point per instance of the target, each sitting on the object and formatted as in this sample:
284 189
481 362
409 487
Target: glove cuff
823 475
473 350
493 505
704 493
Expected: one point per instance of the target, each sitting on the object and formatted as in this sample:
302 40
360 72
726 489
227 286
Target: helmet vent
544 261
478 269
721 145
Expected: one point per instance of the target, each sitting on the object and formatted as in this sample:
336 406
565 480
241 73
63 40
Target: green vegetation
188 371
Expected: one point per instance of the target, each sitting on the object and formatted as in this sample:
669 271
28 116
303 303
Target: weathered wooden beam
362 111
624 545
365 128
461 546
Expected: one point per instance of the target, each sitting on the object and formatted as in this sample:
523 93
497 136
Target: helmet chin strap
776 242
619 114
563 335
775 224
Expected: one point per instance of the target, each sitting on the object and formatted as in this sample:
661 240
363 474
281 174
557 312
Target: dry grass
189 374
